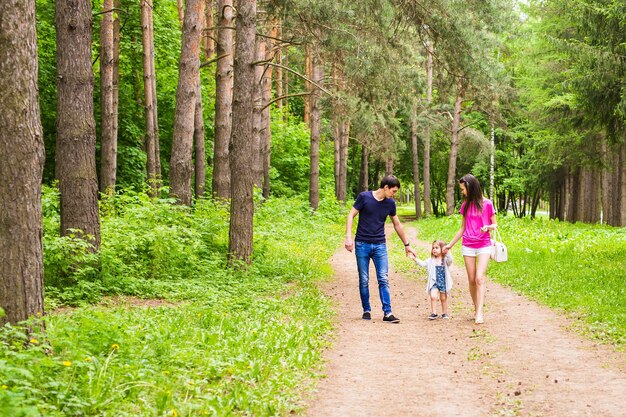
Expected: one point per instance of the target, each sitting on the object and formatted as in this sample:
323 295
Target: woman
479 218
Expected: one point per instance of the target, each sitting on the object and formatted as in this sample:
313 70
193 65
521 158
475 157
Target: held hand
484 229
410 252
349 244
410 255
445 249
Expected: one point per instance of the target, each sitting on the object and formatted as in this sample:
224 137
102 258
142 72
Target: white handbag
498 249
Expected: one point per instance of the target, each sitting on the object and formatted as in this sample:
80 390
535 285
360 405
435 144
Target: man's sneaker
390 318
433 316
367 316
445 316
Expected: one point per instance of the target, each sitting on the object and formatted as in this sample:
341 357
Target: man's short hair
390 181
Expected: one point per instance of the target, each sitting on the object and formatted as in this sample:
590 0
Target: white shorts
473 252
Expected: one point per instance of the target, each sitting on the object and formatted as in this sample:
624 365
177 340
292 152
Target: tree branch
210 61
283 97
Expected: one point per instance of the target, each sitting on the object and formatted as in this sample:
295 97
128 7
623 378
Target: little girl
439 278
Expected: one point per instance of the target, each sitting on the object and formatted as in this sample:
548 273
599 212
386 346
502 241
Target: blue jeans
378 253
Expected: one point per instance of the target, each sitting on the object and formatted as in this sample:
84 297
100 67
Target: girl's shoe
445 316
433 316
479 320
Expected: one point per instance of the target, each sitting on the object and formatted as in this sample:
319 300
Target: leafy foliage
207 339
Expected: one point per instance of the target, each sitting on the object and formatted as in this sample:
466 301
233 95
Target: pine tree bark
429 98
257 167
209 43
454 146
279 60
76 127
416 167
116 73
155 107
315 118
364 171
148 78
181 170
21 169
308 72
266 128
199 146
223 100
240 234
108 153
344 137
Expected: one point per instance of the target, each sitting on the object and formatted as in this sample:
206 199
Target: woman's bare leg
470 267
481 280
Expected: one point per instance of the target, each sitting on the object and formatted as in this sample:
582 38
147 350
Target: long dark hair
474 192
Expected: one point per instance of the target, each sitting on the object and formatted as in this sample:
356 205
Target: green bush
216 341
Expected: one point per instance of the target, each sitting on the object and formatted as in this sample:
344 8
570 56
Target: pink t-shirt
474 220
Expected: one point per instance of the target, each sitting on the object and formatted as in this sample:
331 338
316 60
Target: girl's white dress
430 265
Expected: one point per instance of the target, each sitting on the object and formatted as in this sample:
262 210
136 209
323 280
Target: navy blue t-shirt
372 216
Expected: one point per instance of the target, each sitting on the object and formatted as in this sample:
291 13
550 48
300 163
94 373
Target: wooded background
214 99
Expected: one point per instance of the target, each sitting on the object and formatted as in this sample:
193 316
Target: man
370 242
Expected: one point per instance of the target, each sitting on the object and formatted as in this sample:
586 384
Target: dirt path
522 362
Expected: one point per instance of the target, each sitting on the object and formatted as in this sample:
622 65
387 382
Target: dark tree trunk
108 154
76 127
416 167
257 170
116 75
266 129
454 145
364 171
21 165
278 33
186 98
223 100
315 118
429 99
198 143
344 139
241 230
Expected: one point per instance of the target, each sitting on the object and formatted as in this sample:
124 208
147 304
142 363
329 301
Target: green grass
225 342
578 268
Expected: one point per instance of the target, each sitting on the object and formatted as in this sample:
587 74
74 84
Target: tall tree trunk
199 147
108 154
266 128
186 98
155 107
336 152
308 72
116 73
223 100
619 209
241 230
364 171
454 145
76 127
314 179
181 11
209 43
148 75
344 141
607 183
416 166
388 166
257 167
21 169
572 186
279 60
429 98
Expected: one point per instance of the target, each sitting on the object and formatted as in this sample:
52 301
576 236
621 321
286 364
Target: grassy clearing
578 268
225 343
